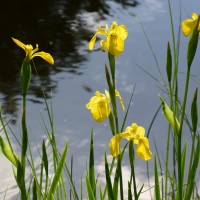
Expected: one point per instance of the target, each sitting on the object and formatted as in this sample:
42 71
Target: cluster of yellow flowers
99 104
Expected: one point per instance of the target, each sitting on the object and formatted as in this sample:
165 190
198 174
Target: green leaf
118 174
34 190
20 172
131 160
25 75
183 159
129 191
44 158
100 193
89 188
116 178
157 186
194 111
140 190
112 65
169 63
108 180
8 153
108 77
192 173
171 118
91 166
192 45
111 122
58 174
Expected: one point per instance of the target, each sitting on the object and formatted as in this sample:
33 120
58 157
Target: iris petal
117 94
122 32
188 26
143 150
45 56
91 43
114 144
18 43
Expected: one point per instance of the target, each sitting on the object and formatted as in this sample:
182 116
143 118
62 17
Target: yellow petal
113 26
188 26
117 94
91 43
102 31
136 132
194 16
122 32
115 45
18 43
100 111
99 106
45 56
114 144
143 150
103 45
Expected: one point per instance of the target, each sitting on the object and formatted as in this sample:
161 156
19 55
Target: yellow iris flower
189 25
31 53
135 134
114 42
99 105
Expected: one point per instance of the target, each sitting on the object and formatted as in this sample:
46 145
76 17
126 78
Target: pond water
63 28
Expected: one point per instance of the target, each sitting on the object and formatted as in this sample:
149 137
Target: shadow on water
58 28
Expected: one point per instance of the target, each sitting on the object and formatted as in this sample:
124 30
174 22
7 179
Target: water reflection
58 28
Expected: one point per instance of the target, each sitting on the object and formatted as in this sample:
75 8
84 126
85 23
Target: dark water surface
63 28
59 28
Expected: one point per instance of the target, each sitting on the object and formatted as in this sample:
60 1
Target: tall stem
180 181
24 149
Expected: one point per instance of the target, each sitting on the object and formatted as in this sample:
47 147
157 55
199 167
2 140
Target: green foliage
91 166
58 174
8 153
169 63
108 179
157 187
194 111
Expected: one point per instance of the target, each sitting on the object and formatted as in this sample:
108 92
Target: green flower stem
180 181
24 149
25 77
112 92
132 160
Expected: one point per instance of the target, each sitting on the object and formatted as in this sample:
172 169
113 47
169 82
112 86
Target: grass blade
91 166
192 173
58 174
157 187
108 180
89 188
